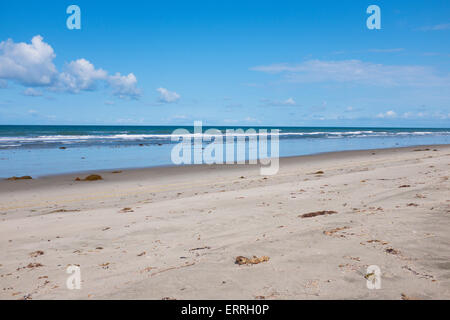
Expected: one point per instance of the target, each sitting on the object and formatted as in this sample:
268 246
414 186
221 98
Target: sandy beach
175 232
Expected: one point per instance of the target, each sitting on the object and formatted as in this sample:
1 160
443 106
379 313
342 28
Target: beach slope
175 232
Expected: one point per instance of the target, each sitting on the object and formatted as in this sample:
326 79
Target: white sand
149 253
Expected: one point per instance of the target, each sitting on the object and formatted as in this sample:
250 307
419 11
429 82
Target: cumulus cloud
166 96
32 65
28 64
124 86
357 71
80 75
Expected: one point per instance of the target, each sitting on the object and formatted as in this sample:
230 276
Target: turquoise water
44 150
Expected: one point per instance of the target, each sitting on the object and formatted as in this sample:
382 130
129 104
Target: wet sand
175 232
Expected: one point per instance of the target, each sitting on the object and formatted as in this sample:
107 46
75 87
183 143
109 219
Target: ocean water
46 150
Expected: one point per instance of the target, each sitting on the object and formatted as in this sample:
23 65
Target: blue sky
280 63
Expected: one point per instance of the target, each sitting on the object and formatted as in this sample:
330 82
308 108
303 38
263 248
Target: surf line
220 147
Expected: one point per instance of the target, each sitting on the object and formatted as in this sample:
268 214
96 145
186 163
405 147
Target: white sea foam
141 137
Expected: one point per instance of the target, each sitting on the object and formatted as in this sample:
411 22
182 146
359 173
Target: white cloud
124 86
28 64
287 102
290 102
357 71
31 92
32 65
167 96
80 75
387 114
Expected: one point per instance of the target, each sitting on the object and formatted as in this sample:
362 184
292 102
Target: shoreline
175 232
282 159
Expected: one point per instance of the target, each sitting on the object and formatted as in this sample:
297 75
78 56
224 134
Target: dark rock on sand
20 178
92 177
